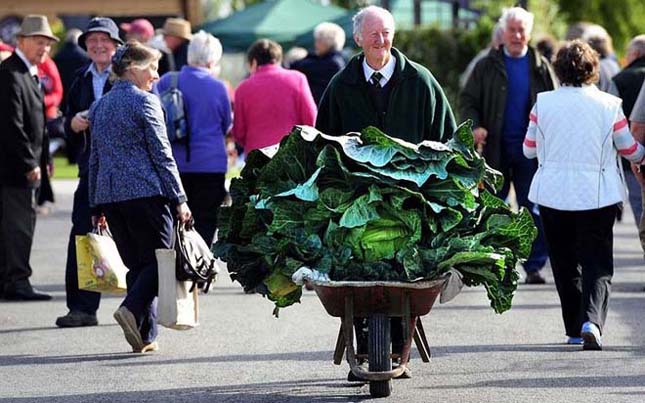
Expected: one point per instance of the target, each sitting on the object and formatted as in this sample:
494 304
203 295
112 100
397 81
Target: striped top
621 136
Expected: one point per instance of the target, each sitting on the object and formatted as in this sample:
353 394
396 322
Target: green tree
623 19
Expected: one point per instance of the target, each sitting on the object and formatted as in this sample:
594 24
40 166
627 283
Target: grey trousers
17 224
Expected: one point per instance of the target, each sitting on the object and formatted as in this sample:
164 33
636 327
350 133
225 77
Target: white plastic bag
177 306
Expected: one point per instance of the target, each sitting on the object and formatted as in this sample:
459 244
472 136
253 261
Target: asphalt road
240 353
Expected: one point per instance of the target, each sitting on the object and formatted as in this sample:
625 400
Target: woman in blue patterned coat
134 184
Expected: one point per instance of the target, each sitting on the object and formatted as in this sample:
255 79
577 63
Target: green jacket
417 109
483 99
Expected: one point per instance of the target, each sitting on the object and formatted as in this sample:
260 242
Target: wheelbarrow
378 302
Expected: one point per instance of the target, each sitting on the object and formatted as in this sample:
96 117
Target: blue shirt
209 119
516 111
98 79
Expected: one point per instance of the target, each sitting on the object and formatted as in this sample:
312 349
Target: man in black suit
21 152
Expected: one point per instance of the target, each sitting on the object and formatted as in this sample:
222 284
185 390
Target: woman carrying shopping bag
134 184
576 132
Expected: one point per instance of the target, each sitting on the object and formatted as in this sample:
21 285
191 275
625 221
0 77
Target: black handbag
194 260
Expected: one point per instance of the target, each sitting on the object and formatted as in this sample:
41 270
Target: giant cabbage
366 207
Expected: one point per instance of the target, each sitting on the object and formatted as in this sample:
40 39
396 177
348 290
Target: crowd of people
105 104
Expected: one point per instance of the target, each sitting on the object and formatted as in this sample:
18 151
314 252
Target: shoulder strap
174 80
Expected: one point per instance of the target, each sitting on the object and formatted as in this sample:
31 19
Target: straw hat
36 25
177 27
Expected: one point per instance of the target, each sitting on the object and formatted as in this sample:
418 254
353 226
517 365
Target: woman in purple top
202 165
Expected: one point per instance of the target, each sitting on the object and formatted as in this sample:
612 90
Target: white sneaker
591 336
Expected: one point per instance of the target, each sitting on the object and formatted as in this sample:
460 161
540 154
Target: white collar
387 71
524 52
33 70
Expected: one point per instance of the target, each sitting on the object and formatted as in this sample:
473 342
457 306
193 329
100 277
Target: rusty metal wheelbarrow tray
350 299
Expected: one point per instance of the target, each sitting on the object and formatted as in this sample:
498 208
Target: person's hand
79 122
33 175
99 222
638 171
183 213
480 135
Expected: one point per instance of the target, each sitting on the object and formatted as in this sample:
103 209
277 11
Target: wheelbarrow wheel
378 349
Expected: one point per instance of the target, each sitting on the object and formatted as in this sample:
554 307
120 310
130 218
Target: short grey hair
331 34
204 49
519 14
359 18
637 46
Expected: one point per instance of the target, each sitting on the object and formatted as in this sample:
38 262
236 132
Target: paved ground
242 354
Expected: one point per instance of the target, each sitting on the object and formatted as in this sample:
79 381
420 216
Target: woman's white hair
359 18
204 50
519 14
331 34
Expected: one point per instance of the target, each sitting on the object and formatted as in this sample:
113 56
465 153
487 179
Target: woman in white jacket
577 132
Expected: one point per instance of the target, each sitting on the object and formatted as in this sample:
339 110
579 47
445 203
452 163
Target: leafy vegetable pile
370 207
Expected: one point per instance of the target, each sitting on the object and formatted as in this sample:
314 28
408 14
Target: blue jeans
635 196
519 170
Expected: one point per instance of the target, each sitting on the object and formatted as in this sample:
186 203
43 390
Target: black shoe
534 278
77 319
25 294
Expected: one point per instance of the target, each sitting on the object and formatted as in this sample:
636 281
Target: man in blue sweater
498 97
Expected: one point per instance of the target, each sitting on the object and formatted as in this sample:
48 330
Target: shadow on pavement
297 356
301 390
12 360
438 351
32 329
626 381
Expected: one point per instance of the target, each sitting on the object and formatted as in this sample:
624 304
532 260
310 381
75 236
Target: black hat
100 24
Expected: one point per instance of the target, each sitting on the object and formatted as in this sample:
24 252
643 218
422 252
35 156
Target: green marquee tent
280 20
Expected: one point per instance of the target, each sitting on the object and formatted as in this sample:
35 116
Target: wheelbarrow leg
422 342
340 346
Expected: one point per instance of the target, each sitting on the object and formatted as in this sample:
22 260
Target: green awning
280 20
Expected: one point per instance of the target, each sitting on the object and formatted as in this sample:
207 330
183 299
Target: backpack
176 115
195 261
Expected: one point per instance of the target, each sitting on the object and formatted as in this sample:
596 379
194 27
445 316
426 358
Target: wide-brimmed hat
140 26
36 25
178 27
100 24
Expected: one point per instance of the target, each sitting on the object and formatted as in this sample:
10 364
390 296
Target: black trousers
580 247
205 192
79 300
139 227
17 224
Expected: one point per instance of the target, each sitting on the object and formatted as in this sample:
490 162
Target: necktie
36 79
375 80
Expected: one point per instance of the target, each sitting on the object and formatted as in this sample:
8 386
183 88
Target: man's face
35 48
100 48
515 37
173 42
376 38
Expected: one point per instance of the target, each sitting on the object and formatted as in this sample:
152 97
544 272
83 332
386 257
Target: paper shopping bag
177 306
99 265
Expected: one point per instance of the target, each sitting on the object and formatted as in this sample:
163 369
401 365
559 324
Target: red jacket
53 86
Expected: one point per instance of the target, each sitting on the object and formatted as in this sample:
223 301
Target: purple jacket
209 118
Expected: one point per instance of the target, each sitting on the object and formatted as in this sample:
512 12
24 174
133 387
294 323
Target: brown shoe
128 323
534 278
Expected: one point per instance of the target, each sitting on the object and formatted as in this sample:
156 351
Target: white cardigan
576 133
